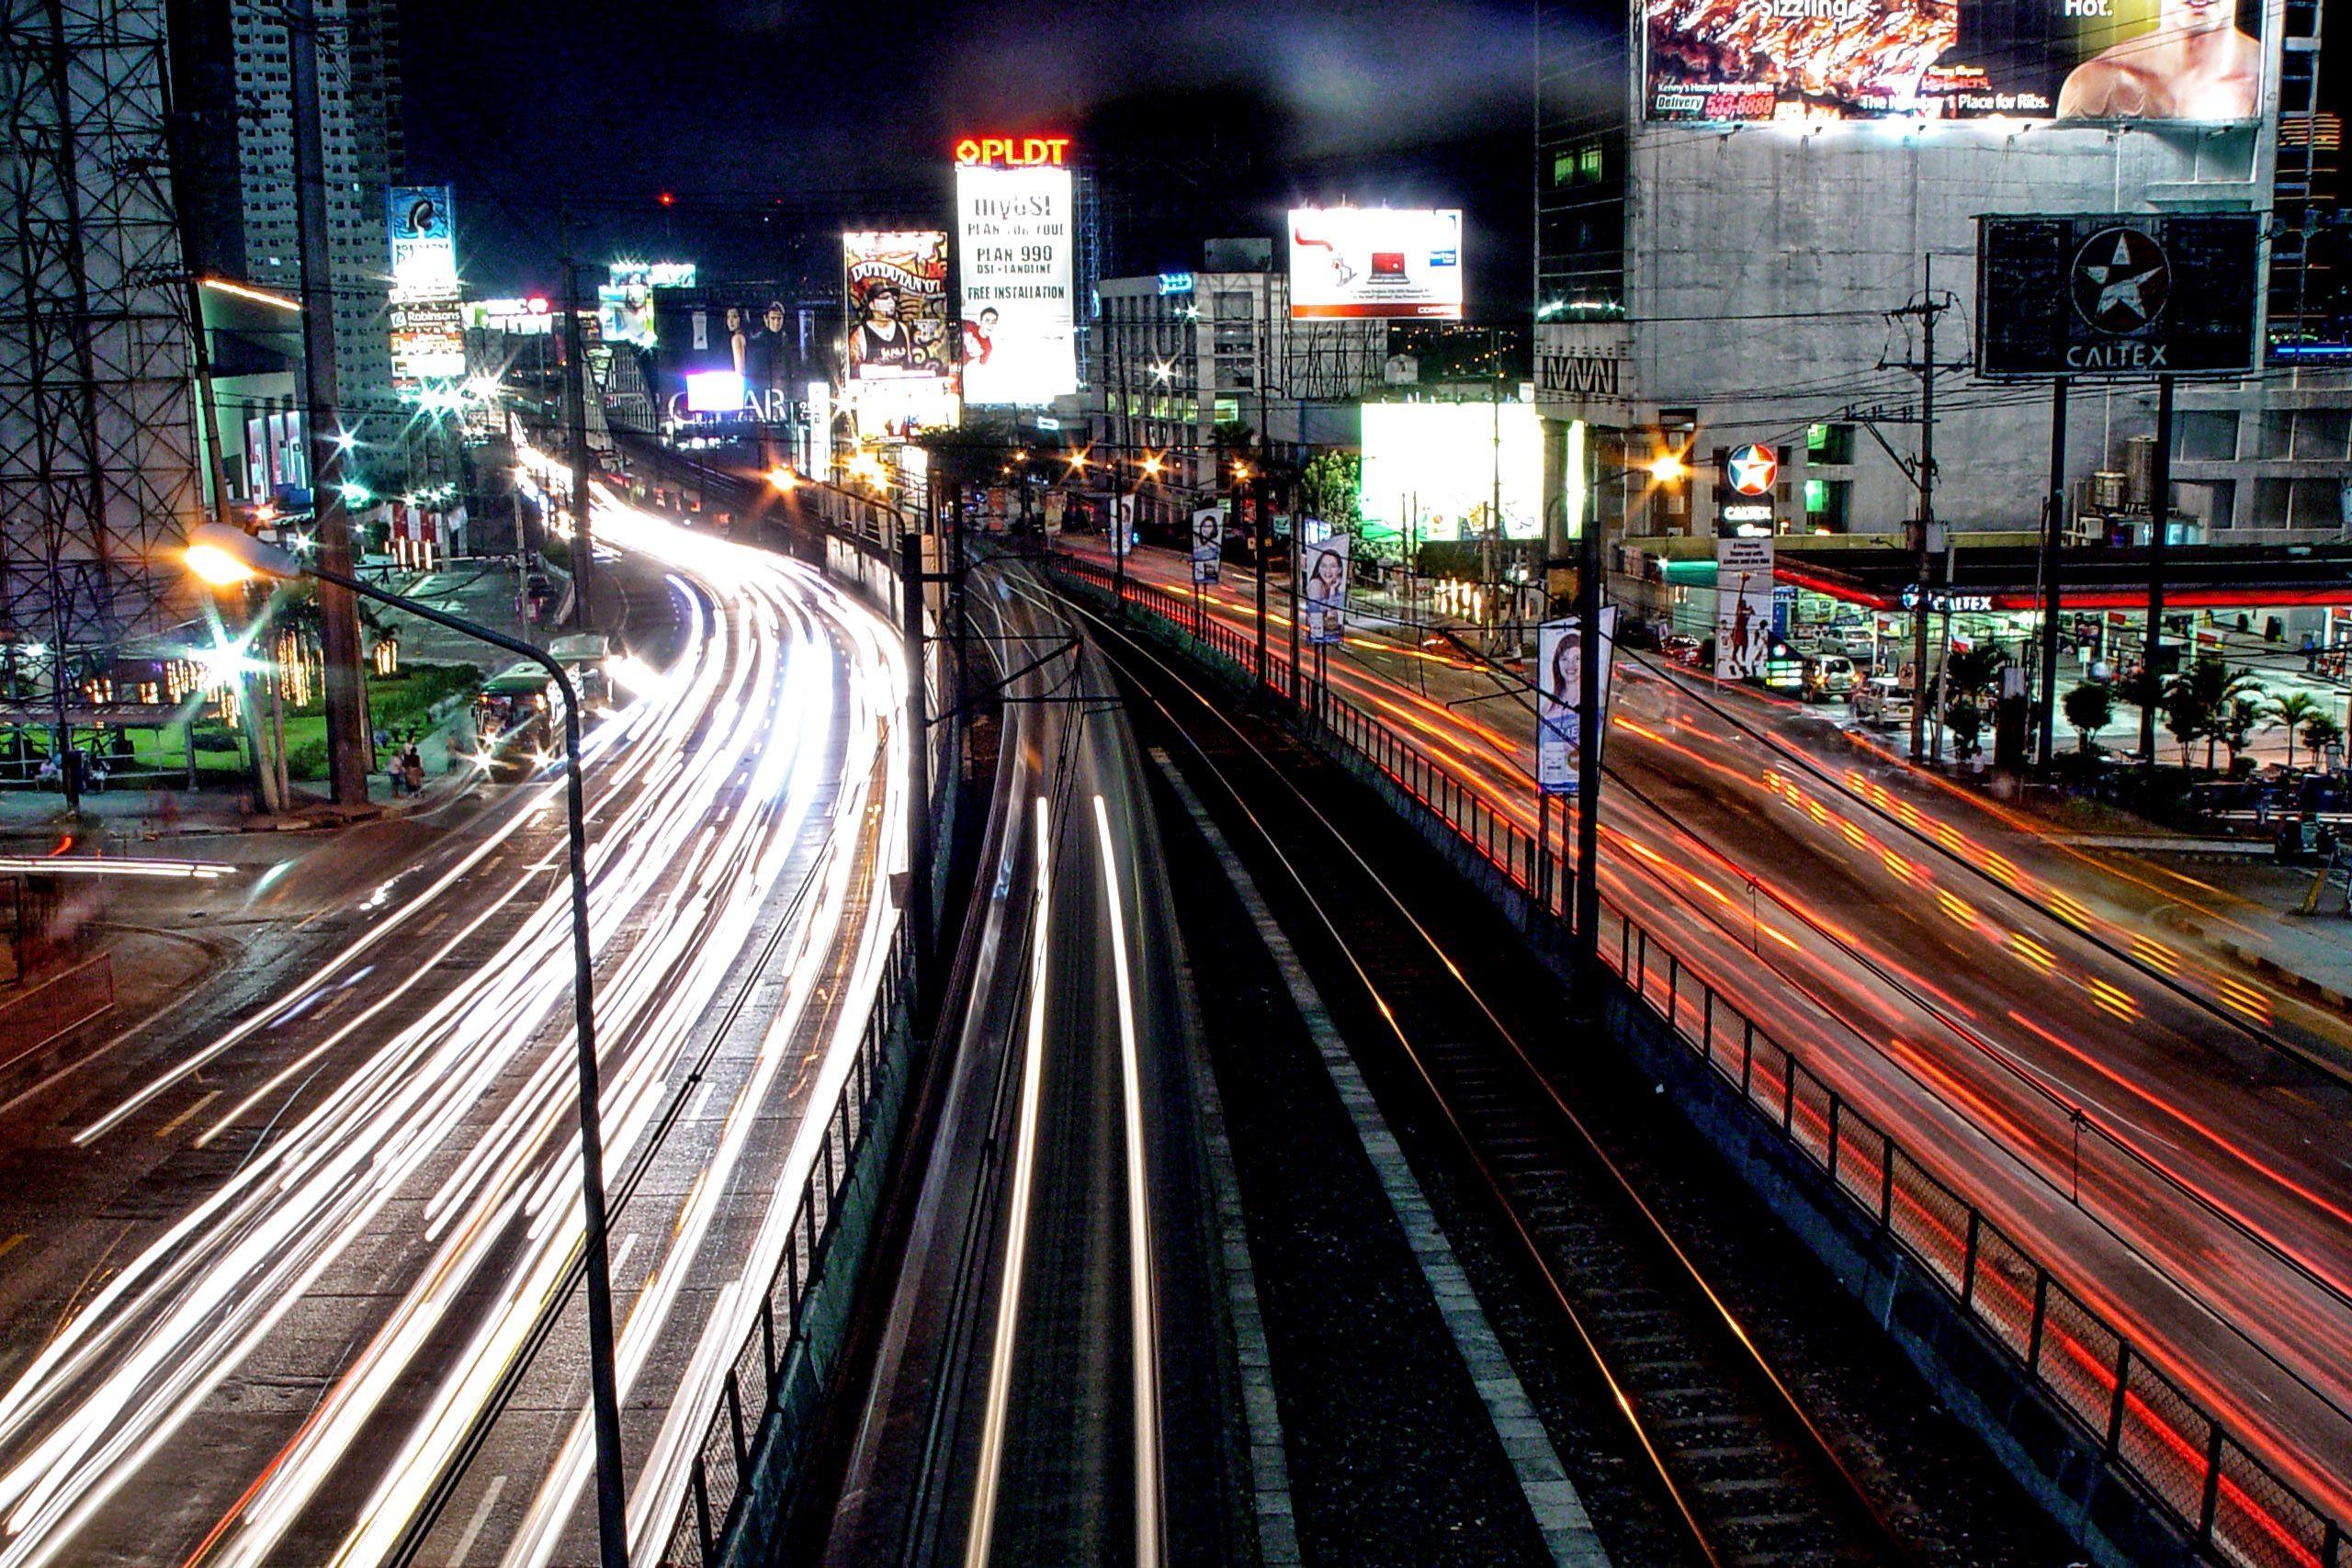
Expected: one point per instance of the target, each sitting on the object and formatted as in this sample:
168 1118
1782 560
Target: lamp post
223 556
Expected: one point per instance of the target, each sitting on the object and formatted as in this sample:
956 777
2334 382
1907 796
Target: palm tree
2289 713
2239 718
2196 698
2090 707
2320 732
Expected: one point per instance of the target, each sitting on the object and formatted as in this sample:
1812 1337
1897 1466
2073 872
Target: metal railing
2148 1429
779 1372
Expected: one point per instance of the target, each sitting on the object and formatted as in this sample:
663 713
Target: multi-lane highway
2163 1128
305 1244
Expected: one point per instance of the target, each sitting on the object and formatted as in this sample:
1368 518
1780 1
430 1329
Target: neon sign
1012 151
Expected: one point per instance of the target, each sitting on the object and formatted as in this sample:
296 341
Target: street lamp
222 556
785 480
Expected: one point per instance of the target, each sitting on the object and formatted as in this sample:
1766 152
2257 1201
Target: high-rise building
360 140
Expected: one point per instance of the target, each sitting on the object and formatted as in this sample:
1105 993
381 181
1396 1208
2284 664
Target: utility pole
576 411
1928 309
1260 535
2159 525
1586 928
348 759
1490 576
2052 535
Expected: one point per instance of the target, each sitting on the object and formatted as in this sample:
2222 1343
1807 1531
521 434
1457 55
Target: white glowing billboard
424 239
1433 469
1375 261
426 318
1014 230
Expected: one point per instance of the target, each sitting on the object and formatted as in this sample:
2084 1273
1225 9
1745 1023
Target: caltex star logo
2122 280
1750 471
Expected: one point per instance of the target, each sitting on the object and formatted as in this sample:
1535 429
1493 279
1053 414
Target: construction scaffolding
99 475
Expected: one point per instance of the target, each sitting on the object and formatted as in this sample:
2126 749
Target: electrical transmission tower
98 468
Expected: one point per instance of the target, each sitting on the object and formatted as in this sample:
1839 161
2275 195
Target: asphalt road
1981 989
279 1246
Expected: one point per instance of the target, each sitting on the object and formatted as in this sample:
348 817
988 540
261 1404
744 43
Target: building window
1828 444
1564 168
1827 502
2208 436
2321 434
1588 162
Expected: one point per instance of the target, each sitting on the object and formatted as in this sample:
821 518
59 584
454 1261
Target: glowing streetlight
224 556
783 480
1668 467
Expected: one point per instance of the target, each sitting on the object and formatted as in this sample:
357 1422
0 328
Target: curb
2302 983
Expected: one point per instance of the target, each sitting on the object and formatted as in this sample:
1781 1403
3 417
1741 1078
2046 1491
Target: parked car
1880 700
1681 647
1826 676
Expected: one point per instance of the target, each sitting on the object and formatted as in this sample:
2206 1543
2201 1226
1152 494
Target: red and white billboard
1376 262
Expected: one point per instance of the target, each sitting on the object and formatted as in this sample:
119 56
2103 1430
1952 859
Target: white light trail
1017 1246
743 770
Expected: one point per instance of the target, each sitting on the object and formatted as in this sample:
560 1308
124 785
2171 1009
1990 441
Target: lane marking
481 1517
1140 1289
1551 1497
174 1125
1025 1156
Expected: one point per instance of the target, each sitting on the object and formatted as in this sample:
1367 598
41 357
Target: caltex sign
1752 469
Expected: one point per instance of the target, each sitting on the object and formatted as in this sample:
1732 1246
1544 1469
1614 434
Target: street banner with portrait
1323 588
1743 608
1208 543
1559 677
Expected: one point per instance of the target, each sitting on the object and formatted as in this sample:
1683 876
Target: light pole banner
1743 607
1208 543
1325 589
1559 684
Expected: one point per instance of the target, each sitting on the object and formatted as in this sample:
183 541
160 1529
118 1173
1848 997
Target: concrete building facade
1752 276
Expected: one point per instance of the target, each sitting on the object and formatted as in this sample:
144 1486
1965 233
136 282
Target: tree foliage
2090 707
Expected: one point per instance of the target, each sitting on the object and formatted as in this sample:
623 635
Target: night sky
773 123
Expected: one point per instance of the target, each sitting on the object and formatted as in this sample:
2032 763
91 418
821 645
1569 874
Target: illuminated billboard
625 299
426 320
1014 225
895 286
424 236
2092 59
1375 261
898 375
1432 470
428 343
743 330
